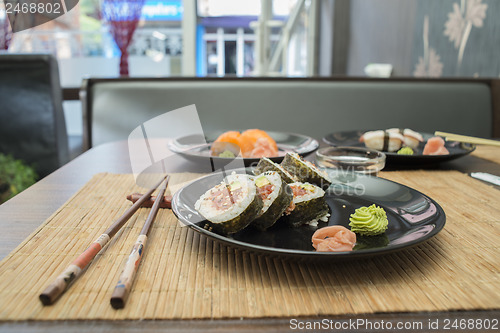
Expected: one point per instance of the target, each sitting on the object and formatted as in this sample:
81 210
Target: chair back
311 106
32 125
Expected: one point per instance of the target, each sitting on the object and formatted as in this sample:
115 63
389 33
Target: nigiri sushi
226 142
383 140
263 148
411 138
252 138
252 143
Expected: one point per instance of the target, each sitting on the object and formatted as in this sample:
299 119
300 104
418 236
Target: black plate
351 138
287 142
413 218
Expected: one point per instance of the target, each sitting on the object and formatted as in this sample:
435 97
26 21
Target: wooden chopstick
122 289
467 139
63 281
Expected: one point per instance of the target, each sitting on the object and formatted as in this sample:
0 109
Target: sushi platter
200 149
411 217
449 151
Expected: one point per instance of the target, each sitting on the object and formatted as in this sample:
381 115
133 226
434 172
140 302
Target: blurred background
270 37
382 38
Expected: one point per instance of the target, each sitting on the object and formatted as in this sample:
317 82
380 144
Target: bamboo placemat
488 153
185 275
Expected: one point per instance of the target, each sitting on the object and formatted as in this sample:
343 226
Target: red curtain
122 17
5 34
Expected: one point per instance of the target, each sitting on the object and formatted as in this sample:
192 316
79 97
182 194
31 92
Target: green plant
15 176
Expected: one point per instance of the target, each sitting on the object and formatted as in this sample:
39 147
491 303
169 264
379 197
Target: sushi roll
231 205
305 171
309 205
276 196
266 164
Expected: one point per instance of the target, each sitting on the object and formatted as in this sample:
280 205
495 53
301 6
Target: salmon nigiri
435 146
226 141
263 148
249 138
253 143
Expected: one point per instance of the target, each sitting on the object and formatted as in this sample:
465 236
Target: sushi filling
223 197
231 205
276 196
266 190
310 205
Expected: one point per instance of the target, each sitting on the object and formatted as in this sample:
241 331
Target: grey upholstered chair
112 108
32 126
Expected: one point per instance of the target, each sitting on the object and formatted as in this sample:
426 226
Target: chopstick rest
75 269
165 203
122 289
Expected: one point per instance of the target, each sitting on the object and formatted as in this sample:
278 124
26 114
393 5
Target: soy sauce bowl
361 160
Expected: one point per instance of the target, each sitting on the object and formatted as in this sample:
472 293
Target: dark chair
32 125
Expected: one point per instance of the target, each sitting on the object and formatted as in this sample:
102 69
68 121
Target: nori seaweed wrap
275 194
266 164
305 171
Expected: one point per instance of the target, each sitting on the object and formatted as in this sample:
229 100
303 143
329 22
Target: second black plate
351 138
287 142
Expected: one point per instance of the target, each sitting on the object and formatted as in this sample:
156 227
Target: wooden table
24 213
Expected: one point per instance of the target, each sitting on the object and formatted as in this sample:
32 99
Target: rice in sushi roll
266 164
276 196
231 205
305 171
310 205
